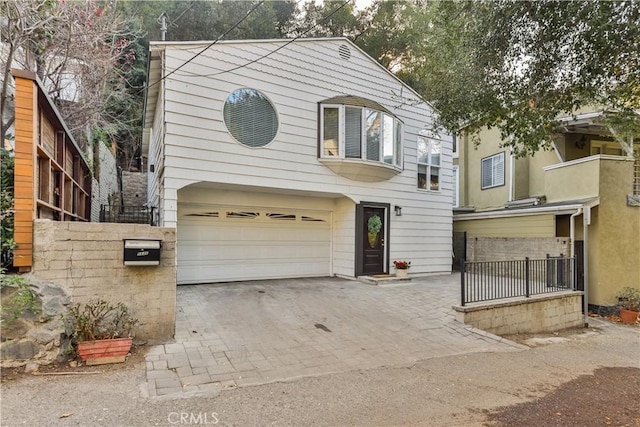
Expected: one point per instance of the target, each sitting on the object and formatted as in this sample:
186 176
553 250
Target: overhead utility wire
273 51
173 23
233 27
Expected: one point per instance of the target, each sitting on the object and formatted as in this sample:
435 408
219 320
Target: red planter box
100 352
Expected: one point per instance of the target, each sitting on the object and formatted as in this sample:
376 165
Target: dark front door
373 240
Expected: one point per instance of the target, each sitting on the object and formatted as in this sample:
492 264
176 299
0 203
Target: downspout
586 220
572 236
121 188
572 232
512 176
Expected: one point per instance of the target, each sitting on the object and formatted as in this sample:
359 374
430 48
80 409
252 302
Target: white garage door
221 244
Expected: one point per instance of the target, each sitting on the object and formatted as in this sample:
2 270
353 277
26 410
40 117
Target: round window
250 118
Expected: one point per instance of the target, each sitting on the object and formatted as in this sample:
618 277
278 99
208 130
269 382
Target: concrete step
383 279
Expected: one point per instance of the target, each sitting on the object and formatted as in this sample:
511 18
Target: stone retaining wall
78 262
539 313
134 188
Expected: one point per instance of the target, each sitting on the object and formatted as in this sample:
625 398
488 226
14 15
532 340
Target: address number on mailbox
141 252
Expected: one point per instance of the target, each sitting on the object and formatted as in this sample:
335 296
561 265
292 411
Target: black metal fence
129 214
491 280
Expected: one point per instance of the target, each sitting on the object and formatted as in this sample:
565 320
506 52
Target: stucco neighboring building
583 192
293 158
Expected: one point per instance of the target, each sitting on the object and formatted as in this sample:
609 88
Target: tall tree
389 32
385 30
519 65
78 49
331 18
207 20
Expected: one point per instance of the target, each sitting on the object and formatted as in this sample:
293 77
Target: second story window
250 118
360 132
493 171
429 163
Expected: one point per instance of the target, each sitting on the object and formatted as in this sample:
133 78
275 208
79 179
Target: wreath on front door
374 225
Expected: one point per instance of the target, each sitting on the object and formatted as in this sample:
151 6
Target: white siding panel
156 155
198 147
344 238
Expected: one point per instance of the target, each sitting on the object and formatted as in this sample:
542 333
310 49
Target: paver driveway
246 333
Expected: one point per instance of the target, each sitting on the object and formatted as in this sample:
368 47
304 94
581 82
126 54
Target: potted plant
402 268
100 331
629 304
374 225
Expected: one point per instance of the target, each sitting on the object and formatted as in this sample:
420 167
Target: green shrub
23 300
7 244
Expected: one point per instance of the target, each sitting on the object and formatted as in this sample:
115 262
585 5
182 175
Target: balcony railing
586 177
129 214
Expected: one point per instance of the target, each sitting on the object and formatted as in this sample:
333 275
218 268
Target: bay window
360 132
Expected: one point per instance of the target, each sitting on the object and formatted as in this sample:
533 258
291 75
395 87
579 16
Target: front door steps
383 279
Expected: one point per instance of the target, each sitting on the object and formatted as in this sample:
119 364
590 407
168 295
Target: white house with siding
293 158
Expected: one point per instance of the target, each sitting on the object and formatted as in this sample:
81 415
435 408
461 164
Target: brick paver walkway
248 333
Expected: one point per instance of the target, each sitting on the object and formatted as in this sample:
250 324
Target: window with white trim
429 151
493 171
355 132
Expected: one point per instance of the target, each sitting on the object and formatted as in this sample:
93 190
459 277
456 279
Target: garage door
221 244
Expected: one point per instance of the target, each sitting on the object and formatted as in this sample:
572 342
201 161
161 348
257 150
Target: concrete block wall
513 248
541 313
86 261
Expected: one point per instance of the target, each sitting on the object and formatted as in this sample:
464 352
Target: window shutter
353 133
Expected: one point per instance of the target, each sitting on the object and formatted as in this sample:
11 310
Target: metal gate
459 249
579 255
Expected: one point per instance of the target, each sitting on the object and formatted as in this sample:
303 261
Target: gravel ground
577 376
611 396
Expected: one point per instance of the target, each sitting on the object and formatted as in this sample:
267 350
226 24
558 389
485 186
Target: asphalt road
468 390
